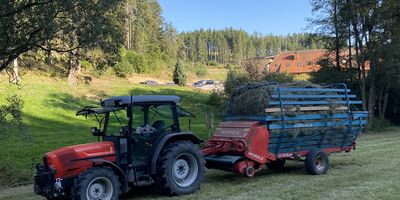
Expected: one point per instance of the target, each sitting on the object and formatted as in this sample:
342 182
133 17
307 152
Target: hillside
49 111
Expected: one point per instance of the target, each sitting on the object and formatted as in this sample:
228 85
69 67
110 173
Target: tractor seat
159 125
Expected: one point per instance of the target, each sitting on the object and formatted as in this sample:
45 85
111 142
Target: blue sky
279 17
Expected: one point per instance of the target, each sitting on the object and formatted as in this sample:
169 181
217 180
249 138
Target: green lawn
370 172
49 113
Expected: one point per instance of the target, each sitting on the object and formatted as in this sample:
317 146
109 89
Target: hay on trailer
253 99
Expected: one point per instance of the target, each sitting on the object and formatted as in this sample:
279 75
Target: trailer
300 123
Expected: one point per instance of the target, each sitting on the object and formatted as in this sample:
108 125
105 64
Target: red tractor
141 144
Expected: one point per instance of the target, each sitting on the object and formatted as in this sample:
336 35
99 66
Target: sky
278 17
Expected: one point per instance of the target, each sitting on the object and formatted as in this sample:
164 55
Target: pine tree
179 76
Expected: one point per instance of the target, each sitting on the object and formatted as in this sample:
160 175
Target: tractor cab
133 123
140 142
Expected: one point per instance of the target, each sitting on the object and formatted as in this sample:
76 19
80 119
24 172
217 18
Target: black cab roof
125 100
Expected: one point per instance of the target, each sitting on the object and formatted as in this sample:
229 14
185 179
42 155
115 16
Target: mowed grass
49 111
370 172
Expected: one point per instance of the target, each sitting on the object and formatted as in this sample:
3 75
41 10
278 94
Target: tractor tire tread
163 163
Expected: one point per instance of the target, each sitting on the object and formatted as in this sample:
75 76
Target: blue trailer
299 123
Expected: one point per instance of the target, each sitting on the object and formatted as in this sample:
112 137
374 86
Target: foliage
234 78
11 121
58 25
179 76
232 46
369 33
201 71
217 98
330 74
381 124
279 77
252 72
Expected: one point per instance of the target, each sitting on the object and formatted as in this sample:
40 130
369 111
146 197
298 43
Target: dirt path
20 192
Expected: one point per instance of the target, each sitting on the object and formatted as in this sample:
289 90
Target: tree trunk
371 100
49 59
16 78
74 67
385 102
336 26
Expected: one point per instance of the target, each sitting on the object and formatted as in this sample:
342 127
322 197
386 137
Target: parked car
149 82
201 83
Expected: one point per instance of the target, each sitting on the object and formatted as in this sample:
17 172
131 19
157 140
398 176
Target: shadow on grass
68 101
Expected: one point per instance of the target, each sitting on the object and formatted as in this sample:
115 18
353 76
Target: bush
179 76
132 62
201 71
278 77
380 124
217 98
211 63
233 79
11 121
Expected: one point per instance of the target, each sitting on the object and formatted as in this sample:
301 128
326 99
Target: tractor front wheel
97 183
181 168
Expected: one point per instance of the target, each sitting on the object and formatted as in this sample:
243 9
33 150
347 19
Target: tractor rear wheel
317 162
276 164
180 168
97 183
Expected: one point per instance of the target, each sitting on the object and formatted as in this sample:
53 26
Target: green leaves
179 76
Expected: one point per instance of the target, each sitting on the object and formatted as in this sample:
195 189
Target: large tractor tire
97 183
276 165
317 162
180 168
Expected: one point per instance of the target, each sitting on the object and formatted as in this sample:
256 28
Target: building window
287 64
309 63
299 64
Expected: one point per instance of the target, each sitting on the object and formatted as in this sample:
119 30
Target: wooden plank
275 103
311 96
317 124
297 89
308 117
307 108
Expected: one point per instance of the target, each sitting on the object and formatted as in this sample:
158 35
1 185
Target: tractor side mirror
96 132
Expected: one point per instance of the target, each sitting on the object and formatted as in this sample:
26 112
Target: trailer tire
276 164
317 162
180 168
88 184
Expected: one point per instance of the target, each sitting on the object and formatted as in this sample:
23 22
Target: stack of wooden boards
301 117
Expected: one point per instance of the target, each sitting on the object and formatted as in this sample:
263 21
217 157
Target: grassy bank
49 113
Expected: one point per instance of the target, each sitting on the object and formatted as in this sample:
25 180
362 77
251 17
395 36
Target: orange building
300 62
296 62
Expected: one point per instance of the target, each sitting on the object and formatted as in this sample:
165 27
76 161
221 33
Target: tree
62 26
372 29
179 76
25 25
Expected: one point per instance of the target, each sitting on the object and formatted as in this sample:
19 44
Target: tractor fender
165 140
117 170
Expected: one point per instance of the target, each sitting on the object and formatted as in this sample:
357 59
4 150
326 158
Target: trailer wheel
276 164
96 183
181 168
317 162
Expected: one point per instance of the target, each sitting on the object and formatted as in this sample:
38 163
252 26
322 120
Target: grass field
370 172
49 113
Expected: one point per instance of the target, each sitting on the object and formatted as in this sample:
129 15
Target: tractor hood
72 160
